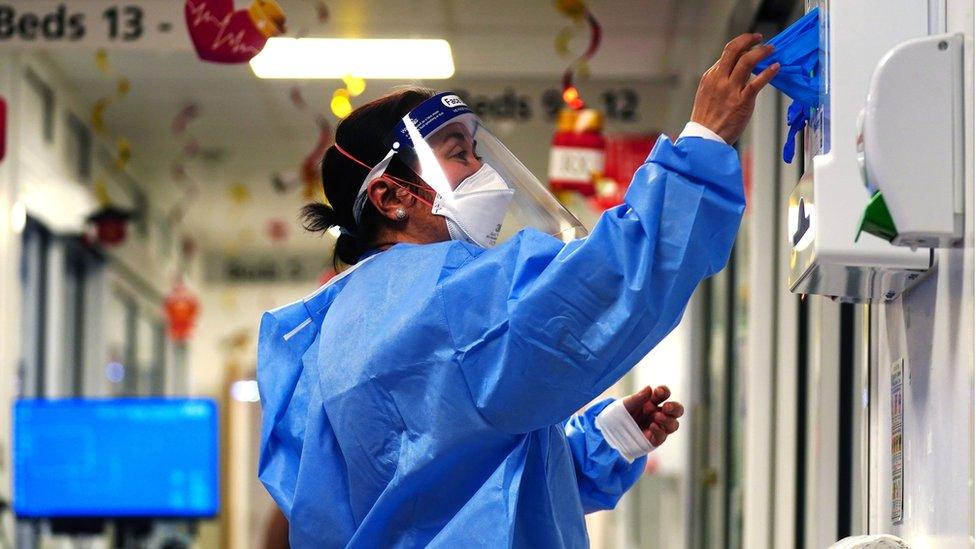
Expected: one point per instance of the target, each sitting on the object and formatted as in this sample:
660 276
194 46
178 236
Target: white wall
9 286
931 328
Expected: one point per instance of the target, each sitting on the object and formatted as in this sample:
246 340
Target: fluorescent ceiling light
365 58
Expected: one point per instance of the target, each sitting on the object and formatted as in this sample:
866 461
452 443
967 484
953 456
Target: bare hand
726 95
656 418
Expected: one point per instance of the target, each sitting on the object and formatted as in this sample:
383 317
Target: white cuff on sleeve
694 129
621 431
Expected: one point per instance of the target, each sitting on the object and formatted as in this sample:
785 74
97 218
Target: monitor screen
115 458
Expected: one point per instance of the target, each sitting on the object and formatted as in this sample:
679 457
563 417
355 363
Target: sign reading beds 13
93 23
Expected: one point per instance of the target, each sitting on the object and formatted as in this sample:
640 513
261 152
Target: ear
388 197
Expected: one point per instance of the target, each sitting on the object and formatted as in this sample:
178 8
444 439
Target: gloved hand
656 418
726 96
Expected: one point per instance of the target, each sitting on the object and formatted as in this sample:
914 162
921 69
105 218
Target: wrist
697 129
622 433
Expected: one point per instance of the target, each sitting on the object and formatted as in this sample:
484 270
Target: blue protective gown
422 398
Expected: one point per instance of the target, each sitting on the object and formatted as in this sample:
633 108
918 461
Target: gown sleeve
540 328
602 473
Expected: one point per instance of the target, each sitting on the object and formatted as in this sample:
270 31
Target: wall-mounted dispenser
827 205
911 144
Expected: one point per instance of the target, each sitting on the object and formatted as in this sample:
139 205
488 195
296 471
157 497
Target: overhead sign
130 24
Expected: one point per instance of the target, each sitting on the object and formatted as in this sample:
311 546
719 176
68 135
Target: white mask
477 210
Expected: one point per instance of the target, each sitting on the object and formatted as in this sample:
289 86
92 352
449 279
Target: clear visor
486 194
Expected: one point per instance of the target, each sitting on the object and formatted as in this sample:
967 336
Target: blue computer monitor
115 458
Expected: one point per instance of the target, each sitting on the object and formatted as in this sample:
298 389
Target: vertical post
760 371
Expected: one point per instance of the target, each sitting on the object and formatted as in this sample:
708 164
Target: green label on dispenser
877 220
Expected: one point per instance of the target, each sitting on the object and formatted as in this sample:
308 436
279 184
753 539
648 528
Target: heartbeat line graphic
202 14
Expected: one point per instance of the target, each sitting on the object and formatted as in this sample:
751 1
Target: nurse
428 395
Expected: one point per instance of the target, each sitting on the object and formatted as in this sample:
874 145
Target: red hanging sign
181 309
624 155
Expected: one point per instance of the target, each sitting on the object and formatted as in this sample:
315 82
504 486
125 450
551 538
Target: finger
673 409
734 49
668 423
649 408
743 68
635 403
758 83
661 394
656 435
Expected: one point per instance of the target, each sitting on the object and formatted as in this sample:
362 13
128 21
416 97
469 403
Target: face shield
480 188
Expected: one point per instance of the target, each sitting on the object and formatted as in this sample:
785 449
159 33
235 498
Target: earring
401 214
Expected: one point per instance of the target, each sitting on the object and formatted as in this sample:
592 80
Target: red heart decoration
222 35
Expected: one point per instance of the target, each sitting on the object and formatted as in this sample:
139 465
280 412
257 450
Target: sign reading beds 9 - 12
111 24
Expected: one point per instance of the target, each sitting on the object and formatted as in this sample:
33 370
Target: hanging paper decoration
186 115
321 11
577 11
321 17
576 157
188 248
123 149
181 308
354 85
308 173
237 341
341 104
282 182
277 231
110 224
239 193
311 170
222 35
574 9
177 212
624 155
228 299
189 148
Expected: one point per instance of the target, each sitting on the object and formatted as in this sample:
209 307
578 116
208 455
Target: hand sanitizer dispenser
827 205
911 144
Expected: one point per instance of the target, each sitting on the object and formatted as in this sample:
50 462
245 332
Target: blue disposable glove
797 50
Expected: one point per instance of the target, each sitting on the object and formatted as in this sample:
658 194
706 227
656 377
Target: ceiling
260 131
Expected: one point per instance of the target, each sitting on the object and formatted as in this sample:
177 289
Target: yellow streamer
123 151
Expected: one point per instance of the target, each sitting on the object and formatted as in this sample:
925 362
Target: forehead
450 132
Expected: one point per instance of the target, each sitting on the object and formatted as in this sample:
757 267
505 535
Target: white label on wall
141 24
574 164
897 441
264 268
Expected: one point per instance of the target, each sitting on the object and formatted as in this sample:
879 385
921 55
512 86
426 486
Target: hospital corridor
620 274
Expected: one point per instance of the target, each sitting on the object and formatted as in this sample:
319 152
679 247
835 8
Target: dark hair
363 135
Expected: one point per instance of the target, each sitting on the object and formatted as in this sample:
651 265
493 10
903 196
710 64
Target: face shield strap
376 172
